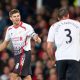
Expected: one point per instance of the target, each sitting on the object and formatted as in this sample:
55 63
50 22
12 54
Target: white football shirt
66 36
20 37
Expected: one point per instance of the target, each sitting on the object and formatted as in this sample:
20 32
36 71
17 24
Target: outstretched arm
33 35
3 45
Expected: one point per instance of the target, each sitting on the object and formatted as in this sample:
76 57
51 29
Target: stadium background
41 17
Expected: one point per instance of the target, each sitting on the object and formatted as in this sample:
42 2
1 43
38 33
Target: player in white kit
20 35
65 34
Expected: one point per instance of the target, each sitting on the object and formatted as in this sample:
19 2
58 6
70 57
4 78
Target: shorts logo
23 59
17 66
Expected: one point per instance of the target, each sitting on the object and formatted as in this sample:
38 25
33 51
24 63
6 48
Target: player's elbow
48 47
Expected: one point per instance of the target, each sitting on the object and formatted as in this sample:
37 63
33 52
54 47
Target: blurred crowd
41 20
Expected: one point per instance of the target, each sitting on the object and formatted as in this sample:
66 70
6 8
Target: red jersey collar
20 24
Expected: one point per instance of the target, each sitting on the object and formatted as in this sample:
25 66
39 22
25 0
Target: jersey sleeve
31 32
7 36
51 34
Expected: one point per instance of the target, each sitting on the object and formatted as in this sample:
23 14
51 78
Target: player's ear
11 18
58 18
68 15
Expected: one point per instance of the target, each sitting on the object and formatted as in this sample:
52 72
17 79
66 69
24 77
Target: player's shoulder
74 21
26 25
10 28
53 26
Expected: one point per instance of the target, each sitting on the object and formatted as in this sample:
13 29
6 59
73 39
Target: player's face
15 18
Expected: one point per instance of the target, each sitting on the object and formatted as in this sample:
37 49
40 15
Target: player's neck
64 18
17 25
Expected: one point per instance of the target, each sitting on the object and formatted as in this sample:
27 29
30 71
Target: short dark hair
13 11
62 12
